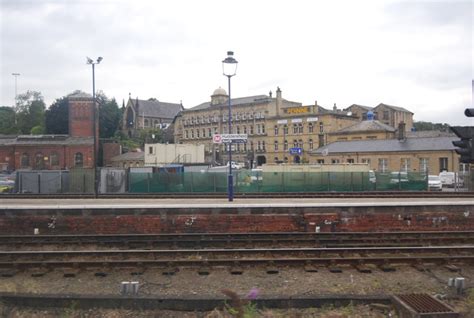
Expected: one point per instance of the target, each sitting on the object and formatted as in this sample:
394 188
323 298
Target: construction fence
116 180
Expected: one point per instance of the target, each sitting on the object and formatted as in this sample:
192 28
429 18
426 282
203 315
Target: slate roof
388 145
132 155
398 108
35 140
366 125
361 106
257 99
157 109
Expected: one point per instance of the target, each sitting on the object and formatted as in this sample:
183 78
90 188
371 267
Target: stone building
274 126
147 114
48 152
432 154
387 114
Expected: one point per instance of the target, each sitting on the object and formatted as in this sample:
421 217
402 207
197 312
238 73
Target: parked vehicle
434 183
451 179
398 177
372 177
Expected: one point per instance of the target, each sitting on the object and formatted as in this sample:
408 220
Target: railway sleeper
40 271
8 272
271 269
387 267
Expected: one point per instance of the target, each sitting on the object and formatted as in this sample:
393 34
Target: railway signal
466 144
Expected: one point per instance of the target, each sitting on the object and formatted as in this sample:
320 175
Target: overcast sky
414 54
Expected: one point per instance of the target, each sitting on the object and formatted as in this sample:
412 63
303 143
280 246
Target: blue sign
296 151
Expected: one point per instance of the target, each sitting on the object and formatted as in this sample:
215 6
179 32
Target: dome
219 91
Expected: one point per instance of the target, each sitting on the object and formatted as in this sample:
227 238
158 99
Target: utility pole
16 88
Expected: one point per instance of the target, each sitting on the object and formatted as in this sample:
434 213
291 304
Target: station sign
296 151
230 138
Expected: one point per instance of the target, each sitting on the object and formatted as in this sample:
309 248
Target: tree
7 121
30 111
425 125
109 116
57 117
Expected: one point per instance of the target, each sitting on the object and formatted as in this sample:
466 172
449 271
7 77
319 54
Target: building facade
431 154
52 152
148 114
387 114
278 130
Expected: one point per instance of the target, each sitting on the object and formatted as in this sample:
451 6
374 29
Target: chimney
278 93
270 93
401 131
278 101
334 108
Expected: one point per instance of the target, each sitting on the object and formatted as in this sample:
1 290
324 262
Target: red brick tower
81 117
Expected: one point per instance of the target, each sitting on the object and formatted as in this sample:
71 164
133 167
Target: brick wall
110 150
7 158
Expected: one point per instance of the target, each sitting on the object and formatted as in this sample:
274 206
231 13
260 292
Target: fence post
148 182
39 182
329 181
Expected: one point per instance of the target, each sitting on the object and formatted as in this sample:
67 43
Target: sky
413 54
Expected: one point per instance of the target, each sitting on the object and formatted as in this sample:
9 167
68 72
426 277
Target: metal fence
55 181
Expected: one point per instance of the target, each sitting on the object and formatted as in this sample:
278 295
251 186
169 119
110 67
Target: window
186 135
285 145
245 147
285 129
263 128
424 164
285 160
300 143
320 161
54 159
383 165
238 130
258 145
78 159
295 143
311 146
333 161
39 161
192 133
146 122
310 127
276 130
204 133
385 115
150 150
366 160
25 160
251 130
275 159
321 127
443 164
275 145
350 160
197 133
300 128
263 145
405 164
295 129
245 129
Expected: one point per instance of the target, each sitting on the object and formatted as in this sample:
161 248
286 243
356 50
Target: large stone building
147 114
274 125
48 152
387 114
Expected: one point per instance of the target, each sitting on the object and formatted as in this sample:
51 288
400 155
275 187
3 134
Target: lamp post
95 115
229 69
16 90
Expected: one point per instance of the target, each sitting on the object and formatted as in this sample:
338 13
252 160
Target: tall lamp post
229 69
95 115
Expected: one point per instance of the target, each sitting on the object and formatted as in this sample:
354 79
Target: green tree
37 130
425 125
30 111
109 116
7 121
57 117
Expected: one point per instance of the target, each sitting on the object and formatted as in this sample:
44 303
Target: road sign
296 151
217 139
234 138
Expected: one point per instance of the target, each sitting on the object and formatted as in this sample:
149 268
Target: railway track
194 195
309 257
237 240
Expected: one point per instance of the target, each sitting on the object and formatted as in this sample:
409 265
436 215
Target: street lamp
229 68
96 179
16 91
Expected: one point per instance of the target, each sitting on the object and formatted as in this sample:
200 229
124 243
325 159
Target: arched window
39 161
146 123
25 160
54 159
78 159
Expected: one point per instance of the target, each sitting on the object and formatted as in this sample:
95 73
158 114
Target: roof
35 140
257 99
367 125
154 108
361 106
397 108
388 145
129 156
